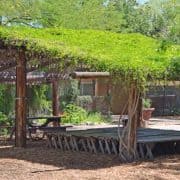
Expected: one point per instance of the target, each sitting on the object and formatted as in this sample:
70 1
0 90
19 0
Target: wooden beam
8 56
55 99
20 133
7 65
89 74
43 63
10 76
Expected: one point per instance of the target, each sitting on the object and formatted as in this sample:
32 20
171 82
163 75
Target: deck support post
20 124
55 99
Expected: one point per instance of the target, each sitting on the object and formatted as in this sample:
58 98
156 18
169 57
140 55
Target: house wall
165 100
108 97
119 98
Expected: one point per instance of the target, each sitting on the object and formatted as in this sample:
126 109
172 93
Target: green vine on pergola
130 56
133 59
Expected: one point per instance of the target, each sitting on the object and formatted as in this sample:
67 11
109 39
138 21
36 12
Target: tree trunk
128 142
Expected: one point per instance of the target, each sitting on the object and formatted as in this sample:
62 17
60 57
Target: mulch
39 162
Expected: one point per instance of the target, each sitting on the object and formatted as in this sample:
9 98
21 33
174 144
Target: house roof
128 55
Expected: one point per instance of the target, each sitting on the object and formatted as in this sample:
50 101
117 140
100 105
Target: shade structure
61 52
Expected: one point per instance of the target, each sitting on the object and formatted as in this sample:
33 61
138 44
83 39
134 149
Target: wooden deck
105 140
144 135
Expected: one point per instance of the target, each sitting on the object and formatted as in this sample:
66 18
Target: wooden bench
49 119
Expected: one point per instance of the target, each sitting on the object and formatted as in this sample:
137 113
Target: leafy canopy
155 18
130 55
20 12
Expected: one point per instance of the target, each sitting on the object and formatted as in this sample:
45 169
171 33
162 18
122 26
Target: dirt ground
37 162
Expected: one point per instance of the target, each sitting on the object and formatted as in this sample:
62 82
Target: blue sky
142 1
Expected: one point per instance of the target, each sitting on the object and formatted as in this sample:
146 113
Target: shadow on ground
37 152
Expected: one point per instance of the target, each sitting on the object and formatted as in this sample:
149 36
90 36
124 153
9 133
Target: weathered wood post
20 126
55 99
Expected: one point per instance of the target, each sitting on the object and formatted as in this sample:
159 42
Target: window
87 87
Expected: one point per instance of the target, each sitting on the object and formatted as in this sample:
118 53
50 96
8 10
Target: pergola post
20 127
55 99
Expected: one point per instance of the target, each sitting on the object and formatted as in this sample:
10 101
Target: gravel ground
38 162
168 122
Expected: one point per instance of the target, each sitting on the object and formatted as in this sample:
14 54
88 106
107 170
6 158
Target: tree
156 19
81 14
24 12
173 16
153 18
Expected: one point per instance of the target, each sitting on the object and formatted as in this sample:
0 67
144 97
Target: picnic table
53 119
32 126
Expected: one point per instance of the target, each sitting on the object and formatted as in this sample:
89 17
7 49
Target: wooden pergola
56 53
16 67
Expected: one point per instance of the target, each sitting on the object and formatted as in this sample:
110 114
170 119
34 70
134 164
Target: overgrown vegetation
77 115
142 56
131 57
7 97
5 124
69 91
74 106
155 18
39 100
147 103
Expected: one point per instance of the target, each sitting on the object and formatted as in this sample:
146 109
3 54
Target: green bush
4 122
38 100
7 95
74 114
147 103
77 115
84 101
95 118
69 93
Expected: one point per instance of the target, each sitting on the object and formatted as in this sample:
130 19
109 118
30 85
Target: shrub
69 93
4 122
85 102
74 114
95 118
77 115
147 103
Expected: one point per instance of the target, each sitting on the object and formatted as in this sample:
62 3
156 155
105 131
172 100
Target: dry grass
38 162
